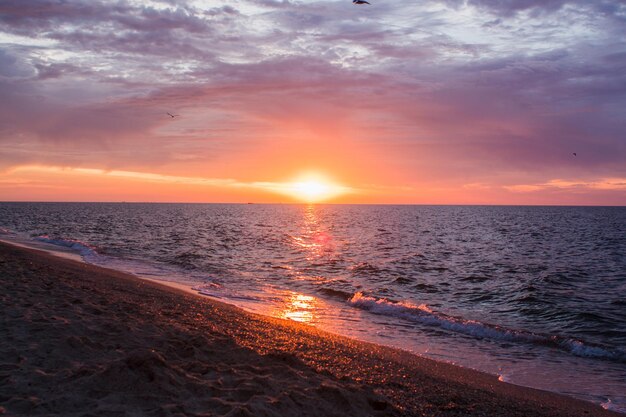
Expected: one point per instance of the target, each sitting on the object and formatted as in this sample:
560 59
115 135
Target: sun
314 188
311 190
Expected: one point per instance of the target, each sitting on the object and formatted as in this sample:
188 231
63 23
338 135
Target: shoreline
365 378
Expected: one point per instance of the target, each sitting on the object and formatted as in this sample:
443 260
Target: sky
397 102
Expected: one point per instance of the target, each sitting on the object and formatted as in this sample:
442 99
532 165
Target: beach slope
79 340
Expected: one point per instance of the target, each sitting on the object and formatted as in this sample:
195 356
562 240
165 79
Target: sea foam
424 315
86 250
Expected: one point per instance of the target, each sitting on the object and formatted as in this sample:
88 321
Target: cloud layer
443 93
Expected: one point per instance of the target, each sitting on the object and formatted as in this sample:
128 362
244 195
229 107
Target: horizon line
313 204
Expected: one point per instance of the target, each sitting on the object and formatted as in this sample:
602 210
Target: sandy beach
79 340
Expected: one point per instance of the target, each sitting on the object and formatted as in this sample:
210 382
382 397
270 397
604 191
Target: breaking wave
424 315
84 249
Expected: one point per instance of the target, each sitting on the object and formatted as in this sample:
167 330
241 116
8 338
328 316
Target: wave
611 406
84 249
331 292
365 268
4 231
215 290
424 315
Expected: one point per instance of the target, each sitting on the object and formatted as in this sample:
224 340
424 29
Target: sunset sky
443 102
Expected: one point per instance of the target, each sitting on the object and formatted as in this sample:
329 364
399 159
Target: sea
534 295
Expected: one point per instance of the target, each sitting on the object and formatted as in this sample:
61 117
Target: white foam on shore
609 405
424 315
579 348
49 248
84 249
82 252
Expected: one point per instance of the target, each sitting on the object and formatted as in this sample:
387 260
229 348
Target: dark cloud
13 66
112 27
47 15
512 92
50 71
507 8
511 6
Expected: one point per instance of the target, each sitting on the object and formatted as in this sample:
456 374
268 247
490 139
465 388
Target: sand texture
78 340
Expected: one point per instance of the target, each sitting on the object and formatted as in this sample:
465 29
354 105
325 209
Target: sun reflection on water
299 307
314 238
313 242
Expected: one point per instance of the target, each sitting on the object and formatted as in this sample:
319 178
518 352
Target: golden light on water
300 308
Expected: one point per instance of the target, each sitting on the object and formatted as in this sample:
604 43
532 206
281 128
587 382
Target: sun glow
314 189
310 187
311 190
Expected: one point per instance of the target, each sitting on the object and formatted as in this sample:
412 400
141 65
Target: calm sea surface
536 295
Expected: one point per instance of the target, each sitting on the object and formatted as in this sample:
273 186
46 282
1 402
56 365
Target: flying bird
360 2
172 115
574 154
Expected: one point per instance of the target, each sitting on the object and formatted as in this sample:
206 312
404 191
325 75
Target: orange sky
82 184
397 103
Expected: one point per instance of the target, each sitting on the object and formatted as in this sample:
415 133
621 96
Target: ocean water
535 295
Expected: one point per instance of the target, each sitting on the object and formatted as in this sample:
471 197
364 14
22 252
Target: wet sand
79 340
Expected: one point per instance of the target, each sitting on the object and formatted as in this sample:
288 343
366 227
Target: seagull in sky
360 2
172 115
